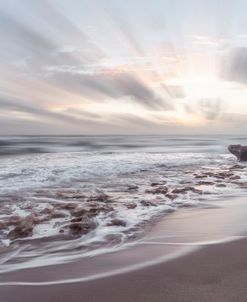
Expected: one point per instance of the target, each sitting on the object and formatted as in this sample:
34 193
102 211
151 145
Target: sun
199 86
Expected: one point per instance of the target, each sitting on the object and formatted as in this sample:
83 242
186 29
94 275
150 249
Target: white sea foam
23 177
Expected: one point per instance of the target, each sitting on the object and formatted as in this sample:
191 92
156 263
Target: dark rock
99 209
158 190
239 151
205 183
13 220
2 225
197 191
235 177
78 212
102 197
221 185
131 205
243 185
117 222
24 228
132 187
67 206
76 219
57 214
200 176
47 211
81 228
148 203
237 167
154 184
171 196
185 190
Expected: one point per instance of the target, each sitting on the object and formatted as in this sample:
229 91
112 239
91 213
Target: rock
102 197
200 176
154 184
158 190
237 167
243 185
132 187
2 225
24 228
67 206
221 185
235 177
13 220
47 211
148 203
185 190
239 151
205 183
99 209
131 205
180 190
57 214
197 191
76 219
81 228
117 222
171 196
78 212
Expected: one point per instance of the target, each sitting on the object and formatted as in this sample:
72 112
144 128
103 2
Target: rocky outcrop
158 190
239 151
117 222
24 228
81 228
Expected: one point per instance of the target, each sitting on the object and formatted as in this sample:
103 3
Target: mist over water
17 145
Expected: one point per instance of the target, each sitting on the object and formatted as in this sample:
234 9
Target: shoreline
213 273
173 234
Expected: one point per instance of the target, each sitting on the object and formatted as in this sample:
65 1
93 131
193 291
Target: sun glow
202 87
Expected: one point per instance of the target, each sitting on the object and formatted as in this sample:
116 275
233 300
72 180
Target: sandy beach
214 271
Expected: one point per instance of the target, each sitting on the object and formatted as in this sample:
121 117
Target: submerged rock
205 183
185 190
221 185
237 167
2 225
171 196
235 177
158 190
81 228
117 222
131 205
132 187
24 228
148 203
239 151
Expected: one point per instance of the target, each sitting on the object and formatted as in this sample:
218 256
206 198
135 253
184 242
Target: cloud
210 108
14 105
110 85
234 66
174 91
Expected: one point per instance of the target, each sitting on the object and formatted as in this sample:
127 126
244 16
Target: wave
127 143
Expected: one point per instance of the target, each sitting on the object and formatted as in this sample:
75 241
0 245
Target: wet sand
214 272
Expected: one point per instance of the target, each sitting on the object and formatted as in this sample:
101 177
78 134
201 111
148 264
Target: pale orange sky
104 66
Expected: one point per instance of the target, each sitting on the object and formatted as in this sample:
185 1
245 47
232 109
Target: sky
123 67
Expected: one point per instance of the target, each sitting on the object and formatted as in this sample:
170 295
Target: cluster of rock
75 212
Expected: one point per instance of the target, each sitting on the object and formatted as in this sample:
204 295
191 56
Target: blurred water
112 143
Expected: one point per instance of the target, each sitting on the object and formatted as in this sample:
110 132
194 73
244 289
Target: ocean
88 195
